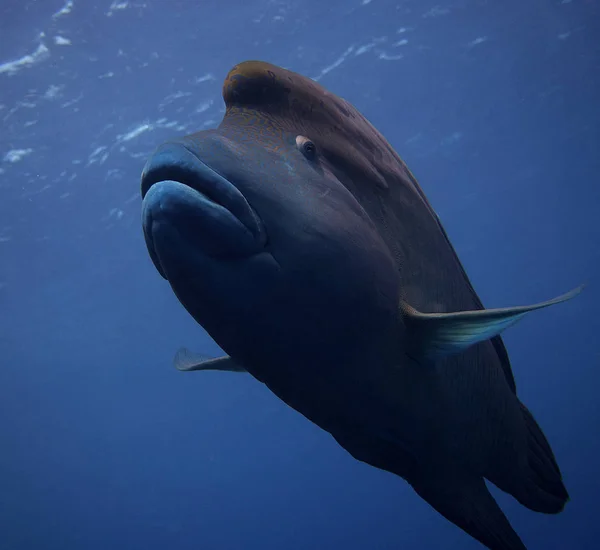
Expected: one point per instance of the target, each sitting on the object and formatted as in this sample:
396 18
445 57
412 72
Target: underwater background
494 106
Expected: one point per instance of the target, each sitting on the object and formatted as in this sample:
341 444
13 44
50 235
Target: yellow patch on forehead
254 83
268 88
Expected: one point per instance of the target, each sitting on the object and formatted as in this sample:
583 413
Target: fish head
258 235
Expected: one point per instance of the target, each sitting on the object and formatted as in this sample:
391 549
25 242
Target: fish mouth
189 200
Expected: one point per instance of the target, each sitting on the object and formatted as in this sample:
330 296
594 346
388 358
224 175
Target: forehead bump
253 83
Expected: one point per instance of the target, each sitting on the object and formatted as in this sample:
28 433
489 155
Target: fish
297 237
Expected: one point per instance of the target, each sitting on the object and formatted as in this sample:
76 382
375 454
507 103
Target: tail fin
544 490
467 502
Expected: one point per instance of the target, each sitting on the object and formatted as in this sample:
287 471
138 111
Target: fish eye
306 147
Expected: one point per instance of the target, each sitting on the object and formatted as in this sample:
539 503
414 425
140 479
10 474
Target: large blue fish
297 237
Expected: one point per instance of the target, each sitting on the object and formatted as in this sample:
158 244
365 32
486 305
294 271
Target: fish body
302 243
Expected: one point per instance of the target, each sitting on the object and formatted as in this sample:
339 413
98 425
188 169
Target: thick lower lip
174 162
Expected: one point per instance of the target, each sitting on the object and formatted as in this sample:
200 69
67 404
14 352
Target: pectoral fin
186 360
437 335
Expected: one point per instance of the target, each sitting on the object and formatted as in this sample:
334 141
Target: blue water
495 106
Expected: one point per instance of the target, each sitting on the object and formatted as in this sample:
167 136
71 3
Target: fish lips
182 193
